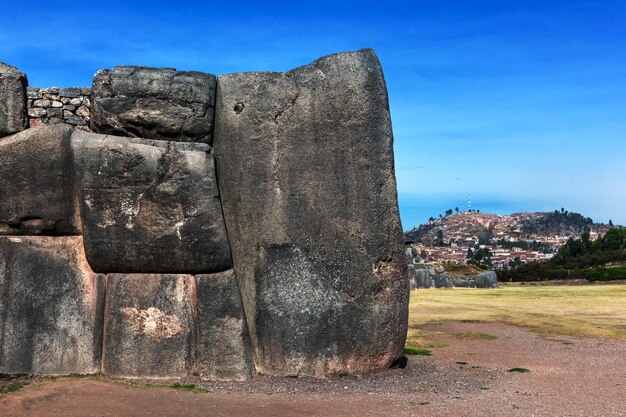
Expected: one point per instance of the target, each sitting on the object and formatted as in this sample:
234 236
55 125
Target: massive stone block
154 103
149 206
423 276
13 112
487 279
36 183
51 307
223 343
305 166
149 326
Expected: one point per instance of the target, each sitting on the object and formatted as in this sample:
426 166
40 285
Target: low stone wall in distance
54 105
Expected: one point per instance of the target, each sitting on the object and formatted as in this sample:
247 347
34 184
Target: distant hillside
471 228
603 259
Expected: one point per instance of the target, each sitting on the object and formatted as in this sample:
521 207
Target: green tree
613 239
585 239
440 241
482 258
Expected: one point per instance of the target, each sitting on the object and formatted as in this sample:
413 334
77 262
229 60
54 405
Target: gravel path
568 377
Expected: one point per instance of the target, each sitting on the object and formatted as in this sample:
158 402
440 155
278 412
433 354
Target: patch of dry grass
582 310
474 336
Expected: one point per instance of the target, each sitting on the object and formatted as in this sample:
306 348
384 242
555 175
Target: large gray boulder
51 307
36 194
154 103
412 276
408 254
487 279
440 280
305 166
149 206
423 277
439 277
149 326
224 351
13 110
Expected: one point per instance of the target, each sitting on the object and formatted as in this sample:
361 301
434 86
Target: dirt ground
470 377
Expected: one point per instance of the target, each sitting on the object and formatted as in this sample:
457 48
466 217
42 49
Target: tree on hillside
431 219
614 239
481 258
515 262
440 241
456 209
610 223
448 212
578 258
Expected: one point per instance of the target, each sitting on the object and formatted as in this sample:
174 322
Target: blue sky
520 103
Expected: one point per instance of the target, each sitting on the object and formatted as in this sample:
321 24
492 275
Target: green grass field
581 310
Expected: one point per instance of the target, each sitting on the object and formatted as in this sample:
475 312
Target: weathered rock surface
13 116
424 276
440 280
411 276
154 103
6 68
487 279
408 255
223 343
36 183
149 326
51 307
149 206
305 165
59 105
439 277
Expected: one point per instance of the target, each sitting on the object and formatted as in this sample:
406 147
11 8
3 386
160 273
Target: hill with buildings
505 240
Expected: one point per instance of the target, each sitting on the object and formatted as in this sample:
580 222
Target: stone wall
54 105
426 275
212 226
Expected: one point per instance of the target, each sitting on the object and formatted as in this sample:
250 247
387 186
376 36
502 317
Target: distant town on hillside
505 241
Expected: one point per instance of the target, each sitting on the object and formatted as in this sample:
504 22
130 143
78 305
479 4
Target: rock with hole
149 206
305 165
154 103
149 326
51 307
36 183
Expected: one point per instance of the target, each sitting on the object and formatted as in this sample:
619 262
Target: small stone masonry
168 224
56 105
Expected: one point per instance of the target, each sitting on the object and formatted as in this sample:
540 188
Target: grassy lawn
581 310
